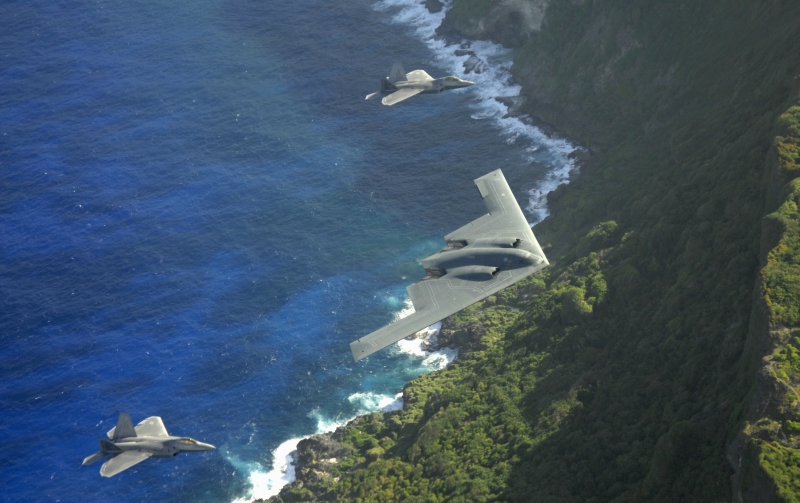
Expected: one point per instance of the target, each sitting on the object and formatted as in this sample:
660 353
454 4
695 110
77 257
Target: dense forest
658 359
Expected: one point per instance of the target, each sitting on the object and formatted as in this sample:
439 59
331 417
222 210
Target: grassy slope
630 367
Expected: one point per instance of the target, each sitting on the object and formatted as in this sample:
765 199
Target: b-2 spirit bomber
481 258
399 86
128 446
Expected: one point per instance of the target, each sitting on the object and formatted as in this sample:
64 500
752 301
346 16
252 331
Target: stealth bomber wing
399 86
483 257
128 445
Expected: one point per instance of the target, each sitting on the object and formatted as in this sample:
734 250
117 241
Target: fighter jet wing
402 94
153 426
418 75
122 462
436 298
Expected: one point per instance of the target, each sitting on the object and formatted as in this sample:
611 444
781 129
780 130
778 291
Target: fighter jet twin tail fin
123 429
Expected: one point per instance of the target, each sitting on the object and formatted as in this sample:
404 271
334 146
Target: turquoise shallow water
199 212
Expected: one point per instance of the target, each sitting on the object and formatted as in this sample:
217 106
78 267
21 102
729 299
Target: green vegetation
783 466
626 372
781 276
778 453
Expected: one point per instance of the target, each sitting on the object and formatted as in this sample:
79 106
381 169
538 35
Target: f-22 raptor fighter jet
128 446
400 86
481 258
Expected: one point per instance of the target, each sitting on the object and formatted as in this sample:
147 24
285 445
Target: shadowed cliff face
659 358
602 68
508 22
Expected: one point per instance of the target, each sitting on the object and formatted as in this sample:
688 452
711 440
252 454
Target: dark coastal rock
314 463
433 6
466 337
317 455
514 104
474 65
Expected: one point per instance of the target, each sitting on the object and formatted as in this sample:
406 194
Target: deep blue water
199 211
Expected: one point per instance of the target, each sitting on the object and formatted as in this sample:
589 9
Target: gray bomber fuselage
492 257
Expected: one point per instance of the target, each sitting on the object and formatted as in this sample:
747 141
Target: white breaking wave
489 66
372 402
266 484
432 360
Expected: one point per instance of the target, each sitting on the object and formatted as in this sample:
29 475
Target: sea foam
414 346
489 66
268 483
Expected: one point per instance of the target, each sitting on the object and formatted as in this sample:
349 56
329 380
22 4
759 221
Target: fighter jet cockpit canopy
187 440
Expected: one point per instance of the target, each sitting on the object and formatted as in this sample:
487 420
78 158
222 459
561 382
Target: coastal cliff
658 359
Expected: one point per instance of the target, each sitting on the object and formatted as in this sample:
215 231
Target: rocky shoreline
319 455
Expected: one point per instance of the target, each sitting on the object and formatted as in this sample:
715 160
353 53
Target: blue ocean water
199 211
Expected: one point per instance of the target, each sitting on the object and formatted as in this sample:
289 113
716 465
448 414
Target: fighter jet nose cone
206 447
468 83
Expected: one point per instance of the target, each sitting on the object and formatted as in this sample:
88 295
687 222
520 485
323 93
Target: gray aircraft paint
127 446
399 86
481 258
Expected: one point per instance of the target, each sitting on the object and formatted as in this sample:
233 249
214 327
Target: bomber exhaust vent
456 244
434 273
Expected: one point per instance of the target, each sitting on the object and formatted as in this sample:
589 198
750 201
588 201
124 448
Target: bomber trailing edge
483 257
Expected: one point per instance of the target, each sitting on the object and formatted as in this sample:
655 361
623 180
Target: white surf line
432 360
489 66
267 483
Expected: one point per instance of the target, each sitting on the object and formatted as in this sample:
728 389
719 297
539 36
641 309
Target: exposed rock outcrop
465 337
434 6
316 458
